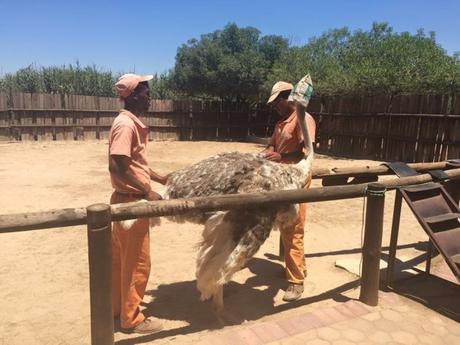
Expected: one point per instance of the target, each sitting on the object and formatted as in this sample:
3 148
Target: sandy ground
44 273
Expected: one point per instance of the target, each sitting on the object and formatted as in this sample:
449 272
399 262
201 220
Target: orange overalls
130 248
287 138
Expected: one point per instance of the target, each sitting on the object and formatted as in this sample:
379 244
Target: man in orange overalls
286 146
130 176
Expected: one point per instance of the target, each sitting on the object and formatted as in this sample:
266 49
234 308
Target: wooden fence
410 128
26 116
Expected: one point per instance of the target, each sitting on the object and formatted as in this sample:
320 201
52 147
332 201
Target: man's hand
163 179
273 156
152 196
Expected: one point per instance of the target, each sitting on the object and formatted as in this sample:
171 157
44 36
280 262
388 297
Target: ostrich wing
232 173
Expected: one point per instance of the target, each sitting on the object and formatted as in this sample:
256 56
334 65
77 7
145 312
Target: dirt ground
44 285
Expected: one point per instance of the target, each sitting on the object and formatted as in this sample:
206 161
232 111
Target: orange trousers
292 238
130 267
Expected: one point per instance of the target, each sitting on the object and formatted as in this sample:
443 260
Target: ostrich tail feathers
127 224
247 247
214 249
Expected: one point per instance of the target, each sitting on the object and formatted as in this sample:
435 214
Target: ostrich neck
305 164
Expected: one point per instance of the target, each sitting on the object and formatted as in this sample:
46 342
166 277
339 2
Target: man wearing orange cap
286 146
130 176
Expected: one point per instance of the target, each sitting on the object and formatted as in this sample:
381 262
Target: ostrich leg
224 317
218 300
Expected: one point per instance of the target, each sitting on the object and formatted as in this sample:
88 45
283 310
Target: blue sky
143 36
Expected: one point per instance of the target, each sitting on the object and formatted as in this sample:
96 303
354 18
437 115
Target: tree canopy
232 63
371 62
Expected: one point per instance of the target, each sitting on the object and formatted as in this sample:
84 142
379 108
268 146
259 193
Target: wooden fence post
372 246
100 273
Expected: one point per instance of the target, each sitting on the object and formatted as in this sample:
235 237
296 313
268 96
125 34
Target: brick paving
396 320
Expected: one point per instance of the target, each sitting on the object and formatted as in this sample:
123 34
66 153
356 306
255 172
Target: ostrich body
231 238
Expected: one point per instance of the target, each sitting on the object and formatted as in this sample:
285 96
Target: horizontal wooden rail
343 114
407 139
374 170
52 125
173 112
77 216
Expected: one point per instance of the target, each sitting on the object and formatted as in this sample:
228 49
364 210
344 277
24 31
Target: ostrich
231 238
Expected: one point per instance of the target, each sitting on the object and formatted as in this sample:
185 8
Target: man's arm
121 164
157 177
271 155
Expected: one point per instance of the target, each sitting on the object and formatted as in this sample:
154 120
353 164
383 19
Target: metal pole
372 245
429 253
394 237
100 274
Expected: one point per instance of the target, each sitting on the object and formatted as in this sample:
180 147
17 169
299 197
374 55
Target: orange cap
128 82
279 87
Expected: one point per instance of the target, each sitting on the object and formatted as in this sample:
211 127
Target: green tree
162 87
371 62
232 63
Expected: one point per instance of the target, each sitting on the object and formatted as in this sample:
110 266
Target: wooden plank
429 129
456 104
206 122
3 101
221 121
400 149
77 216
452 131
453 136
314 105
24 101
83 119
91 102
46 101
105 120
238 122
185 118
108 110
5 118
261 115
5 131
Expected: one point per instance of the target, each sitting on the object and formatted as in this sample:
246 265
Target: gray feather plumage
231 238
233 173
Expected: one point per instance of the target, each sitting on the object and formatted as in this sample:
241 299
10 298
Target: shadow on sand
438 294
248 301
254 298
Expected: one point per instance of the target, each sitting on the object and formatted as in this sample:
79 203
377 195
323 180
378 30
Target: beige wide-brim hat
279 87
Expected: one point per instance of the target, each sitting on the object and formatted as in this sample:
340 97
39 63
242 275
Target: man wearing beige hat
286 146
130 176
